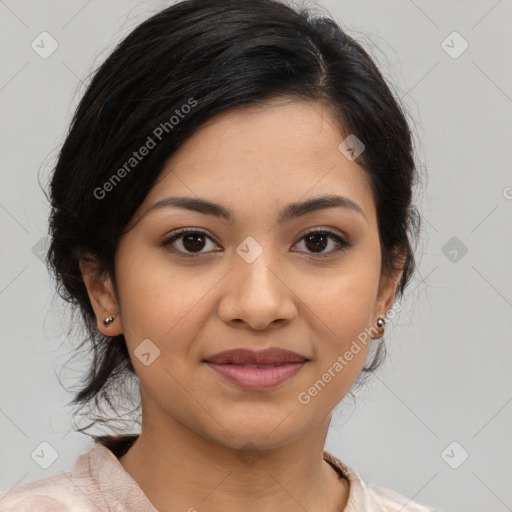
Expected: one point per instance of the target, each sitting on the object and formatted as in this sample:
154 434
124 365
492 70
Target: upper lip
273 355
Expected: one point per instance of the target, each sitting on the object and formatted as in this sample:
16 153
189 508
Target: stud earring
108 320
380 326
381 323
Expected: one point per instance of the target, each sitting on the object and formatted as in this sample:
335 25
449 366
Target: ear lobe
101 294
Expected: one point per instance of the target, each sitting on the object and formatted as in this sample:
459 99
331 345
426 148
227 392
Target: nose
258 294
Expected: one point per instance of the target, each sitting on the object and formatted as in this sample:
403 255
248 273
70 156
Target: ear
387 289
101 294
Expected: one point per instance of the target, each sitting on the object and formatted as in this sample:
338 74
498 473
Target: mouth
267 357
256 371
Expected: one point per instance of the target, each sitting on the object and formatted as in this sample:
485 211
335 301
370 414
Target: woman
231 214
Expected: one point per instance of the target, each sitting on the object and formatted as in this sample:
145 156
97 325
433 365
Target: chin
260 434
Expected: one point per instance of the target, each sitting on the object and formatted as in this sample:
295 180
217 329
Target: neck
226 479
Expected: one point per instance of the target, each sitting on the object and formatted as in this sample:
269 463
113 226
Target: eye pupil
194 238
316 236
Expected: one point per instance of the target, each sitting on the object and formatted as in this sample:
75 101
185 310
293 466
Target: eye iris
316 236
193 238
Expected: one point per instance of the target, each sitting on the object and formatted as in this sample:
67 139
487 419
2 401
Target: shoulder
391 501
56 494
72 491
366 496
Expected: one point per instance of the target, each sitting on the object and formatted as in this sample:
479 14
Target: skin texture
195 425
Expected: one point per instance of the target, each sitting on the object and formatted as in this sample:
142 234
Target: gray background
448 374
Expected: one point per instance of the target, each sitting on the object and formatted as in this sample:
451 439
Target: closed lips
244 357
257 370
257 365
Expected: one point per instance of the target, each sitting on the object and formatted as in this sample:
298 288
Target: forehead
264 157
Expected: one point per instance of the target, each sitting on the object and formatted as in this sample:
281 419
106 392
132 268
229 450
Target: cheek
344 302
343 307
160 303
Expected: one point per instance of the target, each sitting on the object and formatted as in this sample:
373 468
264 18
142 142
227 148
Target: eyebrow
291 211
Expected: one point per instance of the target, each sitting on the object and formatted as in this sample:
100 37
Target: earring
380 325
108 320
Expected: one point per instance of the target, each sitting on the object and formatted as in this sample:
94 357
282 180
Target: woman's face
253 281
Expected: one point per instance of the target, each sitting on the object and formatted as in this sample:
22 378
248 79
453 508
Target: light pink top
98 482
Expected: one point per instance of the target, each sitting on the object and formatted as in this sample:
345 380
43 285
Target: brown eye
317 240
191 242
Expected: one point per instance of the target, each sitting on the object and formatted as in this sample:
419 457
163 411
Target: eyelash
342 244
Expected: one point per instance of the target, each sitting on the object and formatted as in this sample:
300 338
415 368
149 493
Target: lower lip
257 378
